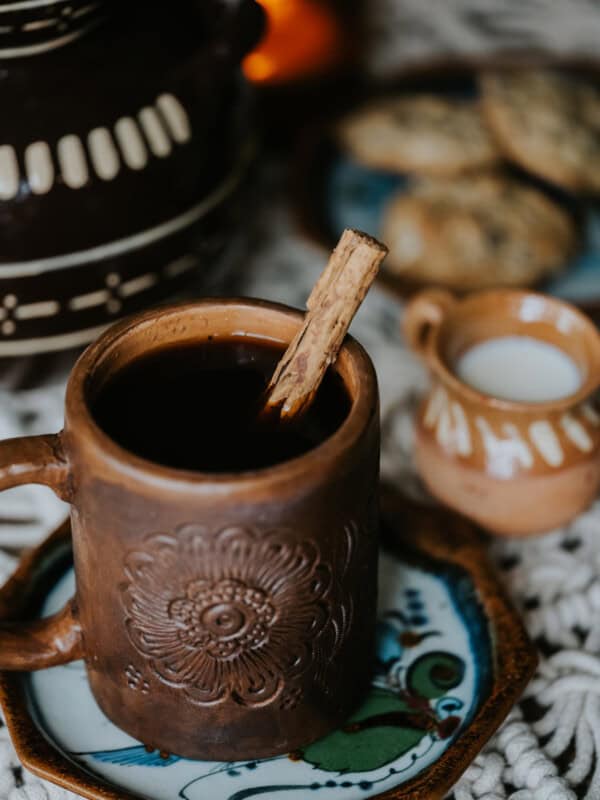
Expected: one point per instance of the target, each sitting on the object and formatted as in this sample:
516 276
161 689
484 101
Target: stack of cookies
480 209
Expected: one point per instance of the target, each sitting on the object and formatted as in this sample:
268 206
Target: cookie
475 232
548 123
424 134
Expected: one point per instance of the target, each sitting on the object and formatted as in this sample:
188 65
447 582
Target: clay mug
220 616
516 468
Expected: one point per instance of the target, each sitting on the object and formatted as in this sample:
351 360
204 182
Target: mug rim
80 423
587 388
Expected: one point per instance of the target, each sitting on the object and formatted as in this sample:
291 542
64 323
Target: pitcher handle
57 639
423 316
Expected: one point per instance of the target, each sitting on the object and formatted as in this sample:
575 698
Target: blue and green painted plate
452 658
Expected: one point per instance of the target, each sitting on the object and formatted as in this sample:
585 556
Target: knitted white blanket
413 32
548 748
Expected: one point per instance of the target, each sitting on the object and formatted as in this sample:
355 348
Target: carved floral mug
221 616
514 467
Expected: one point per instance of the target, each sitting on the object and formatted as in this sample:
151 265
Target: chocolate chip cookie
422 134
548 123
476 231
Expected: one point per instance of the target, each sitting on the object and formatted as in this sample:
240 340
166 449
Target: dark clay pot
120 163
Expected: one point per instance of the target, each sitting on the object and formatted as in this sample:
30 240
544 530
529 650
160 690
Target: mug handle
57 639
423 315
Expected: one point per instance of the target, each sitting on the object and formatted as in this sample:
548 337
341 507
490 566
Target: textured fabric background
410 32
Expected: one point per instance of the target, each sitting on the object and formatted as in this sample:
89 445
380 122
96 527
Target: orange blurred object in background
303 38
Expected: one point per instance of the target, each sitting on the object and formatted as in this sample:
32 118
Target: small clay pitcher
221 616
516 468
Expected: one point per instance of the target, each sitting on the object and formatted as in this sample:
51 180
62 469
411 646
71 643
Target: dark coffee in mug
195 407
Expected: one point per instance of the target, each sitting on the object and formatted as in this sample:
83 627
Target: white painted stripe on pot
504 454
450 422
20 269
104 155
72 160
89 300
137 285
39 167
159 142
48 344
181 265
591 415
462 436
576 433
175 117
9 172
39 24
131 143
42 47
46 308
437 403
84 10
546 442
25 4
525 456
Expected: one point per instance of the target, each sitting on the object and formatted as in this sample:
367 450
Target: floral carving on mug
135 680
224 618
234 614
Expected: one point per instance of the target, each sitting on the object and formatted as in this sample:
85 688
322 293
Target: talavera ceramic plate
452 658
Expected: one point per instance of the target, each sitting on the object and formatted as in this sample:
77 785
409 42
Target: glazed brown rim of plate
515 658
314 147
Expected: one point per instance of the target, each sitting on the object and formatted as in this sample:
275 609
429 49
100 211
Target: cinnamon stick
332 304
